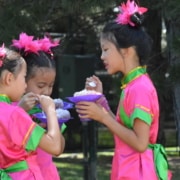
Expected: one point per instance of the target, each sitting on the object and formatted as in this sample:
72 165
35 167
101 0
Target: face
19 85
42 82
111 57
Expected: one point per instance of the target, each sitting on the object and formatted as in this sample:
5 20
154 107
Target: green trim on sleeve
140 114
63 128
35 138
137 113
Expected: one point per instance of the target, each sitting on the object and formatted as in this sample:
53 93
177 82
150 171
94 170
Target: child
40 79
20 136
125 47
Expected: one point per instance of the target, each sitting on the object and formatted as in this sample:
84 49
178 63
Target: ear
124 52
7 78
129 52
132 50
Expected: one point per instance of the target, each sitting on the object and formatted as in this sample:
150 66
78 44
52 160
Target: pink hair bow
46 44
2 54
127 10
27 43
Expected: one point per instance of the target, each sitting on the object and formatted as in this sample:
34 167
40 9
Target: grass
174 161
72 165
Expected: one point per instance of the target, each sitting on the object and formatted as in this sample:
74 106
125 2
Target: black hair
39 60
124 36
12 62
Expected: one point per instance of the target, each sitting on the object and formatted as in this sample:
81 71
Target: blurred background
78 24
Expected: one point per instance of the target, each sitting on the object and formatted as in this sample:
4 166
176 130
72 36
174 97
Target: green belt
160 160
19 166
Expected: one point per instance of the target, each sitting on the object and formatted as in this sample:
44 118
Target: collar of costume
4 98
34 110
135 73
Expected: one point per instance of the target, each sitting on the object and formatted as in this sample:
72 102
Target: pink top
138 100
45 162
19 139
47 167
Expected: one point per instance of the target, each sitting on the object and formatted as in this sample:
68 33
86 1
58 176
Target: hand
91 110
47 103
28 101
97 83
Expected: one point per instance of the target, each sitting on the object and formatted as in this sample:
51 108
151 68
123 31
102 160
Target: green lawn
72 166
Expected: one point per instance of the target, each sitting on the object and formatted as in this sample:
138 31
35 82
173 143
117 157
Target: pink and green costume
44 159
19 140
139 100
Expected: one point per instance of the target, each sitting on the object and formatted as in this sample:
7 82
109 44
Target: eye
104 49
41 86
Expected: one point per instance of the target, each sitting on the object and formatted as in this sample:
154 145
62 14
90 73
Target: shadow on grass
174 161
72 166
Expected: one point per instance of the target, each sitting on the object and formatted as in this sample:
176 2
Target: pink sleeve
139 97
139 103
20 126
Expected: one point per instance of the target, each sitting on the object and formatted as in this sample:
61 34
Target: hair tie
26 43
2 54
29 45
46 44
130 13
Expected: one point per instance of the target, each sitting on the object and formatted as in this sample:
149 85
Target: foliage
37 17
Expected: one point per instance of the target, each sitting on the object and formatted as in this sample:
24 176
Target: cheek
45 91
116 65
38 91
50 91
33 89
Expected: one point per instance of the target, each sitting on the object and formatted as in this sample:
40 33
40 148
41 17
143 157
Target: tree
172 22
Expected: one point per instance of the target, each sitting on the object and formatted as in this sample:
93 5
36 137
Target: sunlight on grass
70 171
71 165
172 151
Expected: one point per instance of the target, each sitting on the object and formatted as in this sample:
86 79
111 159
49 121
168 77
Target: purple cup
88 97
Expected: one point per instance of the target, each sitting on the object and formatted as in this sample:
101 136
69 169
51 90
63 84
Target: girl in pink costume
125 47
20 136
40 79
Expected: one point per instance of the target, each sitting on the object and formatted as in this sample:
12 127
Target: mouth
106 65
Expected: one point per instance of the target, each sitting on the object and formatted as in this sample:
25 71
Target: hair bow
2 54
127 10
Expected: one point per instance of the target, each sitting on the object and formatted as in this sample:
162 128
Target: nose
47 91
102 56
